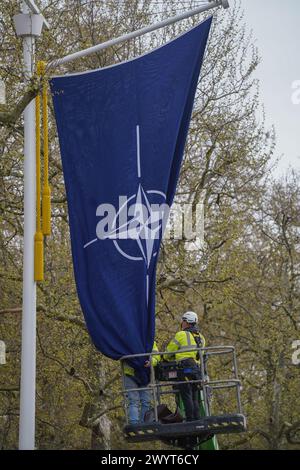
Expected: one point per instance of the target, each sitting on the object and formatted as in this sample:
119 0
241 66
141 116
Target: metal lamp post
28 26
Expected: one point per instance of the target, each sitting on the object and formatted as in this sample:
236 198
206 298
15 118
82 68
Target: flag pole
147 29
28 27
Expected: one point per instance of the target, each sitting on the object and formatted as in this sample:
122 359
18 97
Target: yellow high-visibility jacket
182 341
154 359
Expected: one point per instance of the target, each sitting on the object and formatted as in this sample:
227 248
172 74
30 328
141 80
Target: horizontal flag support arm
139 32
35 10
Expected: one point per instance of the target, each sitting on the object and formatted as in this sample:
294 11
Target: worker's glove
206 378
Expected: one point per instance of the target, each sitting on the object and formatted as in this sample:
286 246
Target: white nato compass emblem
142 230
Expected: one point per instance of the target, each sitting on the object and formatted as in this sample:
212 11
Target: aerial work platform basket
164 381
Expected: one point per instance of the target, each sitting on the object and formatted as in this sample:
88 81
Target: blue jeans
139 402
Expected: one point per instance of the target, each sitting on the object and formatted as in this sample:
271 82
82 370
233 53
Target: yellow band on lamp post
46 196
38 256
38 238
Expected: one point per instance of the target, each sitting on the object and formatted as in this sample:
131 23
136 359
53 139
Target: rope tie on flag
46 199
43 197
38 238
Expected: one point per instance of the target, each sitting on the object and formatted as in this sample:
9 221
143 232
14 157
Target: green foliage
244 283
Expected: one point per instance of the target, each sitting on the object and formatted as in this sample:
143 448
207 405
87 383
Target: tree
244 282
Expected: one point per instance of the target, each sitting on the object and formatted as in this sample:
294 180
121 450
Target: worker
189 337
139 401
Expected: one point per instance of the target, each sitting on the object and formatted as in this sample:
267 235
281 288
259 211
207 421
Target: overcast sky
276 26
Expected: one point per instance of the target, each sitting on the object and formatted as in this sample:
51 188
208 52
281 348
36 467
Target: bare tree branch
9 117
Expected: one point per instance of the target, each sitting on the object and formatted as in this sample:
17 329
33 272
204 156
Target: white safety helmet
190 317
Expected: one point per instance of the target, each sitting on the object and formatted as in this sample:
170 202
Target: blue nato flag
122 133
